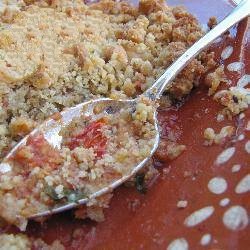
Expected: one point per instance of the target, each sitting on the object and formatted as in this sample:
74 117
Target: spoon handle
164 81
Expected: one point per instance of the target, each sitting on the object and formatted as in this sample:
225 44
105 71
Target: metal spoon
50 128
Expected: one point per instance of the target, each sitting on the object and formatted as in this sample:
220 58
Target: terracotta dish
199 200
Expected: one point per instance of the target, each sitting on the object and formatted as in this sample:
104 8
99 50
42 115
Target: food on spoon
94 153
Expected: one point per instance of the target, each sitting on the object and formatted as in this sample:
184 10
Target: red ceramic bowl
214 214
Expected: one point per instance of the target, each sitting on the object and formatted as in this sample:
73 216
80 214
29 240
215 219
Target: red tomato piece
91 137
37 152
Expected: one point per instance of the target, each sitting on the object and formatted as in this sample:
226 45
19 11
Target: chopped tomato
91 137
36 153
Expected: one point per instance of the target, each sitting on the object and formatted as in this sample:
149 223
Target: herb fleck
140 183
50 191
70 195
235 99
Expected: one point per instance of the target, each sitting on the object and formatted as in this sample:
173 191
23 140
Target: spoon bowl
95 109
52 127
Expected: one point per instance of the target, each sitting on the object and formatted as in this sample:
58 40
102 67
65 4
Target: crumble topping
218 138
235 99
